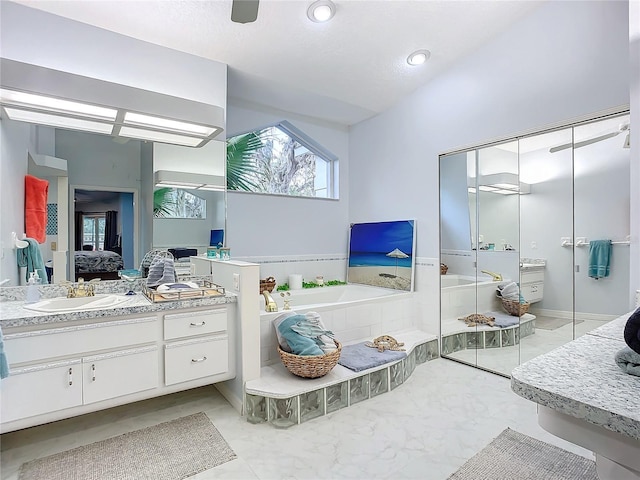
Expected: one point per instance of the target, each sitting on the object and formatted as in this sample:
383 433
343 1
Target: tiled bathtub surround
283 399
356 319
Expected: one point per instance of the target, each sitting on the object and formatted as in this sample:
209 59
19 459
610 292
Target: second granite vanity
69 363
583 397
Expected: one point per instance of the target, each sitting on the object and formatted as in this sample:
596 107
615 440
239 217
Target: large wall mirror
520 224
112 217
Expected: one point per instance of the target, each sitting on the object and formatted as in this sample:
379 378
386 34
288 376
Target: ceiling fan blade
584 143
599 138
244 11
560 148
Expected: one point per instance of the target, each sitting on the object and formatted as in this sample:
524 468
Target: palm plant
162 202
240 164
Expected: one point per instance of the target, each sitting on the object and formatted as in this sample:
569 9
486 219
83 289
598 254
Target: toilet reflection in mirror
503 210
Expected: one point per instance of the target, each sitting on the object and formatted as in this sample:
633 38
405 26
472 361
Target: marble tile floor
542 341
426 429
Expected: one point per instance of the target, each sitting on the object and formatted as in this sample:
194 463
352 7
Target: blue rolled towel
632 331
299 344
628 361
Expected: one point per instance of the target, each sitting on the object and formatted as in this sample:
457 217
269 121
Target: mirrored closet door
518 220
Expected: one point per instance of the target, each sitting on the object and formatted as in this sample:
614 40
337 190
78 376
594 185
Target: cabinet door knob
70 376
93 372
198 360
201 324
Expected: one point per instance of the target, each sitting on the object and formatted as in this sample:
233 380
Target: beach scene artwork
381 254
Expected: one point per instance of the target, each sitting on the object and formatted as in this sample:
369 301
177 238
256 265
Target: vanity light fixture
321 11
504 183
52 120
186 180
418 57
39 95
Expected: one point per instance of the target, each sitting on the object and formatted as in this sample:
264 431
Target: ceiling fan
244 11
624 127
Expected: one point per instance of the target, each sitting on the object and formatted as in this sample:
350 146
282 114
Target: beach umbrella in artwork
396 253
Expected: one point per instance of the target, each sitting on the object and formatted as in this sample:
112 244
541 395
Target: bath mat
552 323
359 357
514 455
169 451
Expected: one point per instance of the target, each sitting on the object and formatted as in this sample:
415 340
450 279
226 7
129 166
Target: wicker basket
443 269
311 366
267 284
515 308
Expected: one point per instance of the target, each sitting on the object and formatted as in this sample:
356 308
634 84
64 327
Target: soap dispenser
33 294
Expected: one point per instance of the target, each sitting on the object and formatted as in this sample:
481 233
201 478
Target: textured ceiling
345 70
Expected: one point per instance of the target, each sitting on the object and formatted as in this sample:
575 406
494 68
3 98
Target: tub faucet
270 304
496 276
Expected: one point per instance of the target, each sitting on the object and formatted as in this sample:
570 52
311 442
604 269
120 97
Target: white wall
260 225
14 144
567 59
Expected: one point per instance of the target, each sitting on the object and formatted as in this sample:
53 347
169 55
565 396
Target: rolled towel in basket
298 344
628 361
325 337
632 331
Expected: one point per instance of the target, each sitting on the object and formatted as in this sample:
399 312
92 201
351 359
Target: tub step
283 399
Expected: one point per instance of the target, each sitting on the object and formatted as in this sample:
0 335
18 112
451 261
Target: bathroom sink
77 304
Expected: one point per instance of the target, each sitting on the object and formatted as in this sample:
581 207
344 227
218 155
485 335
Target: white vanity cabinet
119 373
532 284
198 346
40 389
56 369
64 369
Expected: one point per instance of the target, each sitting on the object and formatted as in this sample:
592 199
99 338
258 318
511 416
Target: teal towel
4 365
599 258
299 344
31 258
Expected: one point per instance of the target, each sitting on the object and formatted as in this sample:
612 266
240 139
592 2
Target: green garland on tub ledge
285 286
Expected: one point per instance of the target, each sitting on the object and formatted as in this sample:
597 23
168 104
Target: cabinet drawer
42 389
66 341
533 292
182 325
191 359
531 276
119 373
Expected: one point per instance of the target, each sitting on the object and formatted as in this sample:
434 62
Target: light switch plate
236 282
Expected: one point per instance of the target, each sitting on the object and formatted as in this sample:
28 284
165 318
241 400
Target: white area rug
513 455
169 451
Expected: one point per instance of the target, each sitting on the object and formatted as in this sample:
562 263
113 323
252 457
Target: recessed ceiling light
418 57
321 11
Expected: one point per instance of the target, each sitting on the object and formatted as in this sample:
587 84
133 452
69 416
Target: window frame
330 159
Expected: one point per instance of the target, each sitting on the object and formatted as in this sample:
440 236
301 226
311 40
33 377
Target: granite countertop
13 313
581 379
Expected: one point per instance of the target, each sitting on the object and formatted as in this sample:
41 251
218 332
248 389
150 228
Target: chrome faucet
495 276
270 304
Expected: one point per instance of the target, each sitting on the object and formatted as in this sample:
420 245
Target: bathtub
460 295
351 312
